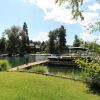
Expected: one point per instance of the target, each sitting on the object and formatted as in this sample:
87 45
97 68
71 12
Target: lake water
18 60
70 71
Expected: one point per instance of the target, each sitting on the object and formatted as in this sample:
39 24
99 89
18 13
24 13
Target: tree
62 39
25 30
76 42
17 40
57 40
13 39
93 46
24 40
51 42
2 44
44 46
94 27
22 43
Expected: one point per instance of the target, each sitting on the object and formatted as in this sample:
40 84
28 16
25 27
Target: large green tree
61 39
25 30
24 48
51 42
13 41
57 40
17 40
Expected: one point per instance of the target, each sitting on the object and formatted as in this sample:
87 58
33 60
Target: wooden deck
28 65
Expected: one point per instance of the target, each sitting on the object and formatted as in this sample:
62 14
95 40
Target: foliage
94 49
75 6
4 65
52 42
92 71
17 40
61 39
57 40
2 44
44 47
24 39
39 69
13 39
27 86
76 42
94 27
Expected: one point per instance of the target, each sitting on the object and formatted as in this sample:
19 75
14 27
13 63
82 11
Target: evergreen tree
51 42
57 40
24 40
25 30
76 42
2 45
62 39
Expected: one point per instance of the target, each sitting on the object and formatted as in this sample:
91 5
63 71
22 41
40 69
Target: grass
39 69
29 86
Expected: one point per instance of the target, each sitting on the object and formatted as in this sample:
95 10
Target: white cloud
89 17
85 1
41 36
60 14
29 1
94 7
90 37
53 11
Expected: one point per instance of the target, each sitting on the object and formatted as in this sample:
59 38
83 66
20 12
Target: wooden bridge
28 65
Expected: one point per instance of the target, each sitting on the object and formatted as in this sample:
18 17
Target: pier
28 65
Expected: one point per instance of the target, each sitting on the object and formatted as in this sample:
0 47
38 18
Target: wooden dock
28 65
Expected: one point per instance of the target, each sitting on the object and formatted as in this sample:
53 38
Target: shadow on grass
90 91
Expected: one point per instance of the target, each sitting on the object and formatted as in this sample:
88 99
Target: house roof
77 48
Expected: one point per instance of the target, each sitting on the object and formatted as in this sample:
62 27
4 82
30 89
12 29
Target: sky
43 16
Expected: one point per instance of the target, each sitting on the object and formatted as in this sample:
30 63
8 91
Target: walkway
28 65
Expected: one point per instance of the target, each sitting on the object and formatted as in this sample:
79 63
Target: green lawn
28 86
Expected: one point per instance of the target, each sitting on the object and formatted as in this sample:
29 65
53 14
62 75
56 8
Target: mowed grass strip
28 86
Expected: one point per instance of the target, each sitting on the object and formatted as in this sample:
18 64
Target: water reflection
18 60
63 69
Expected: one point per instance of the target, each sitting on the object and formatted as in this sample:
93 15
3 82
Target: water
18 60
69 71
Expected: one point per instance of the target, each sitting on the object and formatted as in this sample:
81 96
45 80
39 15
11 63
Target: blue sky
42 16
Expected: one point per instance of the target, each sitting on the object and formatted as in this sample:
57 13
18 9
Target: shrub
92 71
94 77
4 65
94 83
39 69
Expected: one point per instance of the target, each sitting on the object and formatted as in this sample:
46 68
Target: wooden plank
28 65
